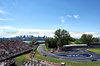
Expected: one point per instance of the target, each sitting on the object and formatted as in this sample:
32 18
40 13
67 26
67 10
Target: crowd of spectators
9 48
31 63
7 62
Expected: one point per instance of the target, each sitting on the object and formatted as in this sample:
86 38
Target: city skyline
43 17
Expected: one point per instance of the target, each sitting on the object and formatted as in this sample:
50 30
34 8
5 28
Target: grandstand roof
75 45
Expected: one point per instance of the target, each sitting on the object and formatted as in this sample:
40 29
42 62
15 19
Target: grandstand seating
12 48
7 62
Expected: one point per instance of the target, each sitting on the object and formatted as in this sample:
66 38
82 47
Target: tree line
87 39
62 37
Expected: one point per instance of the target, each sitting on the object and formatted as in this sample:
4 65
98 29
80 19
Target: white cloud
62 18
61 26
69 16
7 27
97 36
18 32
57 26
1 32
76 16
15 3
2 12
79 34
62 21
2 19
49 33
6 15
6 19
37 32
67 25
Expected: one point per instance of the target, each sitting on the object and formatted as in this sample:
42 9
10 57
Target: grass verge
20 59
95 50
45 48
40 57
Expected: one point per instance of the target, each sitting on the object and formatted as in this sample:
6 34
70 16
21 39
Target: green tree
51 43
47 41
86 38
72 39
32 41
69 42
62 37
78 42
95 39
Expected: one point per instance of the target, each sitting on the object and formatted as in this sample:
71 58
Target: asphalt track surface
75 59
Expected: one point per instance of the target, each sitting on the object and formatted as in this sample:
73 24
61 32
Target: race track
75 59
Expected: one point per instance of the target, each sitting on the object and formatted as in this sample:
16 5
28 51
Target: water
29 41
26 41
41 41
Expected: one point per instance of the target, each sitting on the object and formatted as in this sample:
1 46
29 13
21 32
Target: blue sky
50 15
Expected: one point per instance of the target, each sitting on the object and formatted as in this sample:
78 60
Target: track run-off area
57 56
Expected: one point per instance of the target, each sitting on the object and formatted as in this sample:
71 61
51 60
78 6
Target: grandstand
7 62
72 46
11 48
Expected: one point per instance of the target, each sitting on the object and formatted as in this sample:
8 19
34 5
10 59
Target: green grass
40 57
45 48
20 59
33 48
95 50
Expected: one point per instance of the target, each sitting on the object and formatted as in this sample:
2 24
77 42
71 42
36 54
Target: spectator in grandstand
12 47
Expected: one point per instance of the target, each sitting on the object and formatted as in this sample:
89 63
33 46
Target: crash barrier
46 63
69 63
33 52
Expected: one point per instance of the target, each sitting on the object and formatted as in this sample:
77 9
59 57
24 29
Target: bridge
39 42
